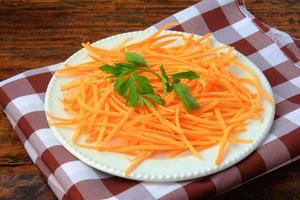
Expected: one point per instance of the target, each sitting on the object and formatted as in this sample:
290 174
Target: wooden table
35 34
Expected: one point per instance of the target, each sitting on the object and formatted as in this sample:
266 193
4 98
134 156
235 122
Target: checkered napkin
273 51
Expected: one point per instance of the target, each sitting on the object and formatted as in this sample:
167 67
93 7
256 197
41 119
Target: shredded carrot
118 126
101 117
140 158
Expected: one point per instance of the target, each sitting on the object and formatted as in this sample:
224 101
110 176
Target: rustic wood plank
281 14
12 151
30 41
23 182
36 33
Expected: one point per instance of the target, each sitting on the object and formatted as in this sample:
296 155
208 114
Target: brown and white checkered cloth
273 51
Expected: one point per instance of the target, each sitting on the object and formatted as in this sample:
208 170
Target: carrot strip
98 106
137 161
103 128
222 146
118 126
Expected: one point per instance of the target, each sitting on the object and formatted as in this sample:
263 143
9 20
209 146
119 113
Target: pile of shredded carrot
100 115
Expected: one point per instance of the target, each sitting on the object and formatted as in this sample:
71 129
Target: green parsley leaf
144 101
118 68
125 66
133 97
123 89
144 84
119 81
176 80
155 98
186 75
165 80
110 69
190 103
136 59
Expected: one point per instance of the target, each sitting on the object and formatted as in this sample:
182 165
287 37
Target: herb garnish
138 91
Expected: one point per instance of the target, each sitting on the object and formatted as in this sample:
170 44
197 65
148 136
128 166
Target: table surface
36 33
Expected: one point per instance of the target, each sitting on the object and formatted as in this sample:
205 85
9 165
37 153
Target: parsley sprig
190 102
138 91
135 88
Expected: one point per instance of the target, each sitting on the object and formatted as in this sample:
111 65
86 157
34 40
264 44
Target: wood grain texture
12 152
35 33
23 182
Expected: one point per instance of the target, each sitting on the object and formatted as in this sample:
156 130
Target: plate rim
160 178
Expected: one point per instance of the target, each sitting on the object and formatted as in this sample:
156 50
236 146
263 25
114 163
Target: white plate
158 169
